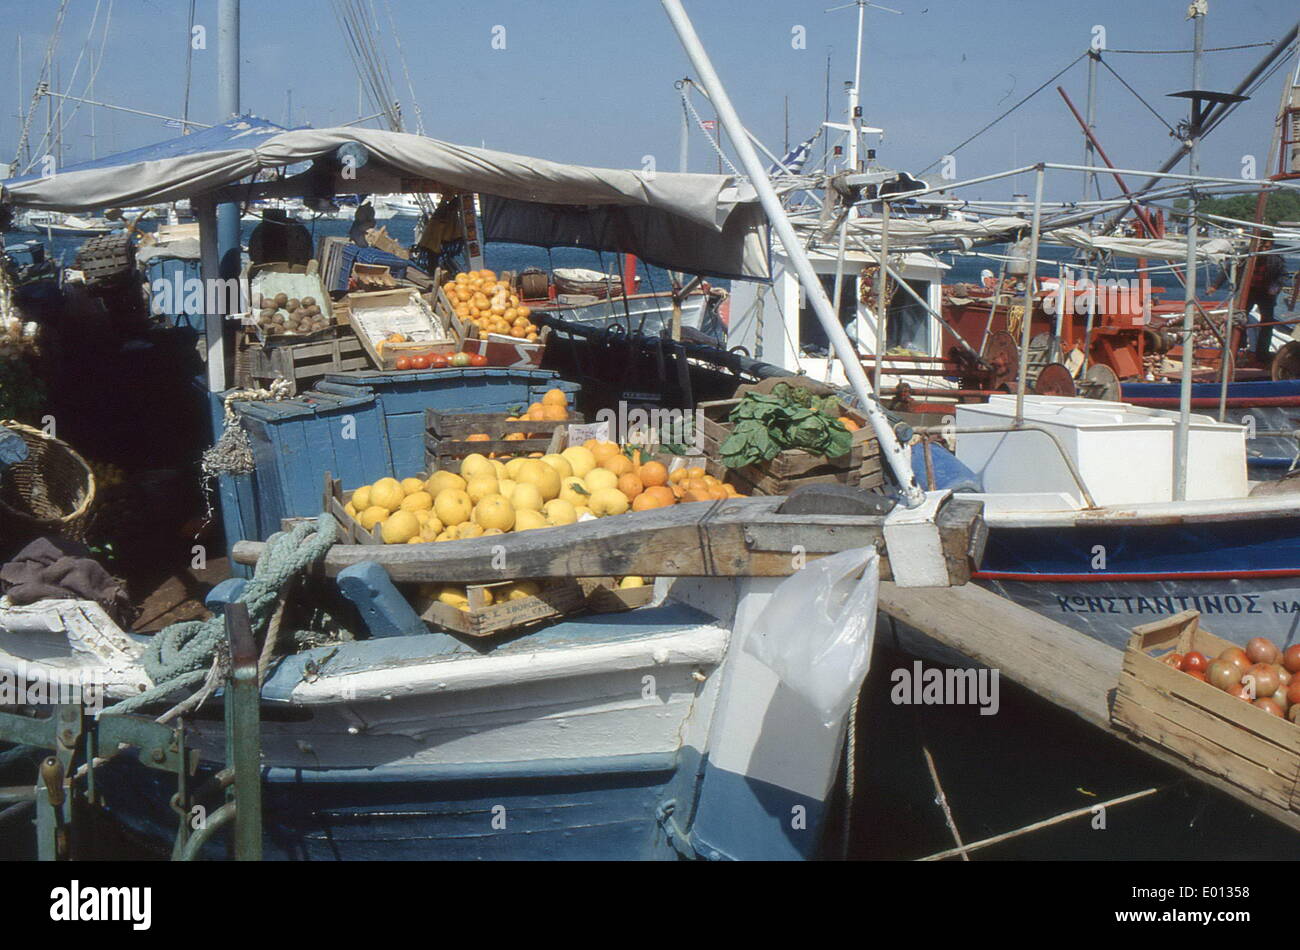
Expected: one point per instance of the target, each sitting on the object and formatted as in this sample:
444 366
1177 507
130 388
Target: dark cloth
1267 304
279 240
50 569
362 222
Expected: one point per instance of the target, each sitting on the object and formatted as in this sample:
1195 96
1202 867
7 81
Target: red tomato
1173 659
477 359
420 362
1291 658
1293 691
438 361
1198 675
403 363
1194 661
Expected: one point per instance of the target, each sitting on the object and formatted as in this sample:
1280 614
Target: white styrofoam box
1124 453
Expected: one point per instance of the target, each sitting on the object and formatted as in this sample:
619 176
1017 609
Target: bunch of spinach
790 418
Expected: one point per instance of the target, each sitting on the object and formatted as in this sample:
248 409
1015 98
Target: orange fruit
553 413
645 501
696 494
604 450
717 493
479 437
678 490
663 493
654 473
695 472
677 476
618 464
849 424
514 437
630 485
555 397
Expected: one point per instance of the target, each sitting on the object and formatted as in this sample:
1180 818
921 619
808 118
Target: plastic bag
817 630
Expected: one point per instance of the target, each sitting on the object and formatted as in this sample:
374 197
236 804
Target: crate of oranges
647 477
451 436
492 320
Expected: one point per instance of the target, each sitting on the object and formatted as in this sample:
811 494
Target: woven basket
48 493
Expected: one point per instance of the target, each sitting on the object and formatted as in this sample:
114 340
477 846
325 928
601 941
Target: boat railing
947 430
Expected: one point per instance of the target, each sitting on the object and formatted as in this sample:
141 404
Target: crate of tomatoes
436 360
1232 711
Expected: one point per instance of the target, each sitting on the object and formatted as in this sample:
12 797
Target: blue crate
403 397
360 427
355 254
176 271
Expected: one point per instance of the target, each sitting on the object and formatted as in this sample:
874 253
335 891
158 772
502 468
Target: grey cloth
670 218
48 569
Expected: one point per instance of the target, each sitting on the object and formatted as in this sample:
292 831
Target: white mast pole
895 454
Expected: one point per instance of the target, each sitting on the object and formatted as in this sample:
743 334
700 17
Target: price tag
578 434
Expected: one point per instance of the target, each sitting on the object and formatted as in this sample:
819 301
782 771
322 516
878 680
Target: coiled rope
185 654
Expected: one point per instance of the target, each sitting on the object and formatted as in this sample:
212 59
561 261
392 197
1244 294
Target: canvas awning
702 224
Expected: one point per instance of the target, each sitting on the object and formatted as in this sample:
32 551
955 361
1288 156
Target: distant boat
53 222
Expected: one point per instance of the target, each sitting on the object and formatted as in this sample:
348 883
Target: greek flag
796 159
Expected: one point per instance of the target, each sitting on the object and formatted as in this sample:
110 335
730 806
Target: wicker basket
48 493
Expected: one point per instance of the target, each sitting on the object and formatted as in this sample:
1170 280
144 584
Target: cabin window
812 338
908 325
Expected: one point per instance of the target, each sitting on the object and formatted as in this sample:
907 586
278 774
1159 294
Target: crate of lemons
496 496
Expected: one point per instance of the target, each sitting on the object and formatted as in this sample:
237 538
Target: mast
1089 156
1197 12
896 454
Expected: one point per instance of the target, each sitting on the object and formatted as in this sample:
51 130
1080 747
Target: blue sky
592 82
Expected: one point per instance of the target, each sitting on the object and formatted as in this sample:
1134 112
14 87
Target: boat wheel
1055 380
1003 358
1286 362
1100 382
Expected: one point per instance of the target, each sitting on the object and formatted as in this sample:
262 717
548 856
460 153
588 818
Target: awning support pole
896 454
882 298
214 331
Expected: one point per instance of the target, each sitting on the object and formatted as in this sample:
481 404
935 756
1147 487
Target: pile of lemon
489 304
489 497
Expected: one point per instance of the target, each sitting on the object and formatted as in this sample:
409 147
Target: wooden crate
557 597
859 467
1214 731
446 436
403 311
604 596
334 501
303 359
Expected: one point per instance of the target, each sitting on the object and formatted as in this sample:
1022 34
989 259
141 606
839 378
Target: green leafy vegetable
790 418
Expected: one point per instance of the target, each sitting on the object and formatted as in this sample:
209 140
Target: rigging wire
953 151
397 39
1210 49
41 83
1138 96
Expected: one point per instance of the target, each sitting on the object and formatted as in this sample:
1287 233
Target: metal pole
882 304
1028 318
1090 179
897 455
1183 432
683 157
1228 354
227 215
214 339
243 734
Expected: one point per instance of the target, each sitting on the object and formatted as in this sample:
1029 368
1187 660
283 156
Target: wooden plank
691 540
1062 665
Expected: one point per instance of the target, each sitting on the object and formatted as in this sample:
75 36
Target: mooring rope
182 655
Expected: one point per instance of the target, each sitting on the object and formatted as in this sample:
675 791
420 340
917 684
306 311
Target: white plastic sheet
817 630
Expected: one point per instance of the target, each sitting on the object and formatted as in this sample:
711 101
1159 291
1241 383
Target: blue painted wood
227 592
175 271
586 809
386 612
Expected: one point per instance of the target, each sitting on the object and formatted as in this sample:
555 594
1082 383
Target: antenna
855 127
